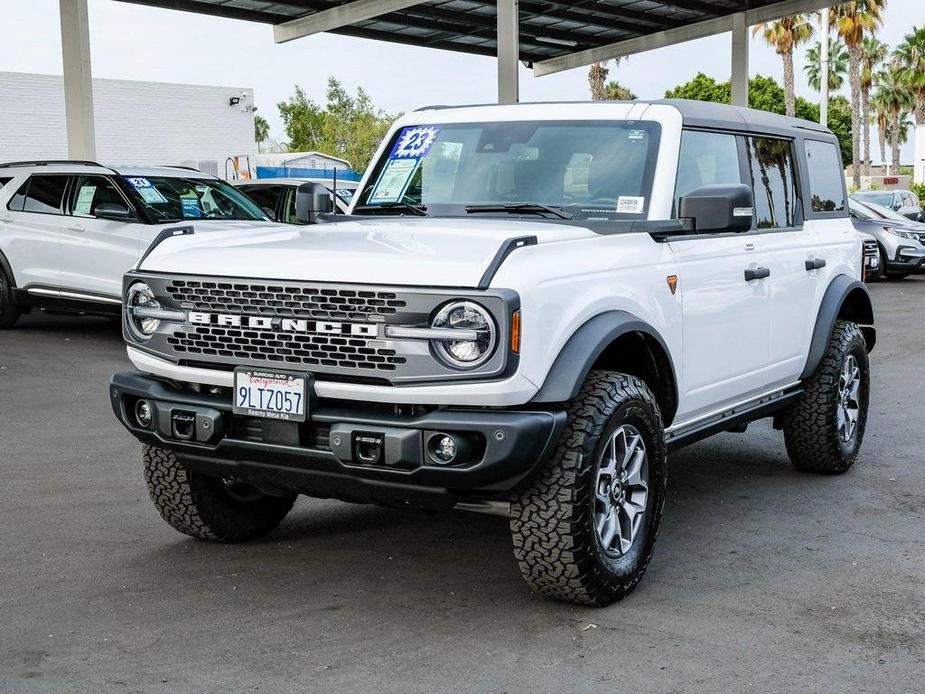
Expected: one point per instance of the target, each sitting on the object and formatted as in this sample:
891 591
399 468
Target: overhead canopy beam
739 61
670 37
337 18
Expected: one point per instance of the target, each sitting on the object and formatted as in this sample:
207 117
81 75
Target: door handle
758 273
78 228
815 264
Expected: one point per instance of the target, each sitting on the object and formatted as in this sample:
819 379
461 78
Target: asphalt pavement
764 578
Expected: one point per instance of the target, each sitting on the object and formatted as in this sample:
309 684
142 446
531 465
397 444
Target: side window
771 162
705 159
826 183
18 200
45 194
265 196
91 192
288 214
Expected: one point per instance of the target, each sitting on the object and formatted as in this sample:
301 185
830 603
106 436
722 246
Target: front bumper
321 456
906 258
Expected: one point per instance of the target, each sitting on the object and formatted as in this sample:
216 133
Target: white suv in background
69 230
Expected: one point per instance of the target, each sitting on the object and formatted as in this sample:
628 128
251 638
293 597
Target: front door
96 252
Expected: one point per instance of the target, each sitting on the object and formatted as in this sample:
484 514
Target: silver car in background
900 240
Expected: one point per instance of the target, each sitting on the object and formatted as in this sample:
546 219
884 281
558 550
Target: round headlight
465 315
140 296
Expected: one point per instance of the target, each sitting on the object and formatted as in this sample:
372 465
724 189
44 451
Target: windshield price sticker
415 142
394 180
631 204
139 182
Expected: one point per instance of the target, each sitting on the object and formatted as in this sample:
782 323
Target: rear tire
9 311
824 429
208 508
584 527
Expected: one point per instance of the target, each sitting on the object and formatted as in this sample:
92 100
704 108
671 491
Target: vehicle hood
434 252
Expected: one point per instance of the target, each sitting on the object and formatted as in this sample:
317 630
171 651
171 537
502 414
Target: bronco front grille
319 303
282 348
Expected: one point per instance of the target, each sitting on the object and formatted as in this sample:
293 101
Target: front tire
824 429
9 311
584 527
209 508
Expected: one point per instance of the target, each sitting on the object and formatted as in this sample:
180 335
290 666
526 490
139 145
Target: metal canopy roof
558 34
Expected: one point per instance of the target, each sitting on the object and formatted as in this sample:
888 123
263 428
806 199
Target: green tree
910 54
347 126
838 65
597 79
852 21
783 36
894 96
765 94
614 91
261 130
873 53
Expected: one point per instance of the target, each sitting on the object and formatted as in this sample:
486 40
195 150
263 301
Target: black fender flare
587 343
844 296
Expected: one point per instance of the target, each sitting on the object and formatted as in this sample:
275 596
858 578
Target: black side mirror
114 211
718 208
311 200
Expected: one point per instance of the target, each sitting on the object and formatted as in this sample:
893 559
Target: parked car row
900 240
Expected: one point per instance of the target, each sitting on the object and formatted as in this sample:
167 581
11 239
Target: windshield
887 213
176 199
587 169
885 199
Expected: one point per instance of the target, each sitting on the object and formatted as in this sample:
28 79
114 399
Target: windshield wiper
419 210
518 208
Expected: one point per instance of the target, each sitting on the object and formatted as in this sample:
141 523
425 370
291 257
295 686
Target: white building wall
143 123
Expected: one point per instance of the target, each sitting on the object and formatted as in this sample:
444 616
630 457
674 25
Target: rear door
33 223
96 252
726 318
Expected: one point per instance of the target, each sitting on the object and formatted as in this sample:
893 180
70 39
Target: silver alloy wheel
621 490
849 398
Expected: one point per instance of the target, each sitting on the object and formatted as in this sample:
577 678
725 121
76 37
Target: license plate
271 394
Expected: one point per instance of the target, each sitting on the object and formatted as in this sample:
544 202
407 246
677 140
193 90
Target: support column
508 51
78 79
824 69
739 60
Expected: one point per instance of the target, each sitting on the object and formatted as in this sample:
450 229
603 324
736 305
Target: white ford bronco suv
526 308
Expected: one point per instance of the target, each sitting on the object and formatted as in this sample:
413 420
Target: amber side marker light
515 332
672 283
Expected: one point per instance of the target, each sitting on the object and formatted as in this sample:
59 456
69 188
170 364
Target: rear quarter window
4 181
826 181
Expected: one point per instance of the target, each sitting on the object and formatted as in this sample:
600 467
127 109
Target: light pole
824 69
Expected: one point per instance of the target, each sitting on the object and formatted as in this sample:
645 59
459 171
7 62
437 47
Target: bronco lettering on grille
289 325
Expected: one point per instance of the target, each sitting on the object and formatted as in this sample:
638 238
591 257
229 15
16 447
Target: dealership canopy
546 36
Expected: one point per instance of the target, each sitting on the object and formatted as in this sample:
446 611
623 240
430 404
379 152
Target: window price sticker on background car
270 394
148 192
631 204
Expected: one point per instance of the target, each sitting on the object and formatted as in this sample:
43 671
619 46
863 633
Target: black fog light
443 449
144 413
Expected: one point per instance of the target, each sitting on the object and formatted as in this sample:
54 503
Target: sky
135 42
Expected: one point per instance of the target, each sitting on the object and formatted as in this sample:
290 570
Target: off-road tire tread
552 551
196 506
809 425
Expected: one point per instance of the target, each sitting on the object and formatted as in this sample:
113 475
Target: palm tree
911 57
882 118
597 79
261 130
852 20
783 36
893 96
873 53
838 65
614 91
